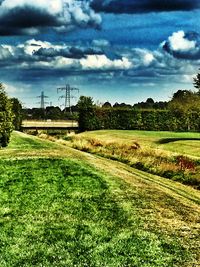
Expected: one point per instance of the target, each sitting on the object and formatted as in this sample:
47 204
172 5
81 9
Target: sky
112 50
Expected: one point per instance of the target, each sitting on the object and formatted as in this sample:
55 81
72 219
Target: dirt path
136 177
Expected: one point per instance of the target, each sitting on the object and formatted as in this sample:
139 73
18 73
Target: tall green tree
184 100
17 111
184 104
6 118
86 114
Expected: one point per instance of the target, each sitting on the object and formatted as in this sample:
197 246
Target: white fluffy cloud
32 46
95 62
54 6
183 45
4 53
147 57
26 55
178 42
141 57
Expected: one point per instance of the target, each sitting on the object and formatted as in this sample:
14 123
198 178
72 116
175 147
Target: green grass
20 141
61 213
68 208
26 146
179 140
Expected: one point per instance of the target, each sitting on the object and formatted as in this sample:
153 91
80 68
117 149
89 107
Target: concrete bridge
49 125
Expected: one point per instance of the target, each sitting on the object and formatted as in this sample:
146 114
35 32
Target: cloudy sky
112 50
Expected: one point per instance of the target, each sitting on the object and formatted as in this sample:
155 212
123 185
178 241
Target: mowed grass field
63 207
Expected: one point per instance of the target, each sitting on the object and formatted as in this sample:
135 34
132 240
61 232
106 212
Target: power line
67 96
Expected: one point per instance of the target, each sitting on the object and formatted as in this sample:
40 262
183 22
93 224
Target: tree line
181 113
55 113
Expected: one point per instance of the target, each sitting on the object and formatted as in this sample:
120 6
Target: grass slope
180 142
56 210
174 156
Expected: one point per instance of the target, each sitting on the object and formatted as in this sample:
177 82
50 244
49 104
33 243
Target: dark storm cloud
10 60
28 17
143 6
72 52
19 20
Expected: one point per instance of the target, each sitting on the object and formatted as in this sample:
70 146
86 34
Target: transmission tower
42 100
67 96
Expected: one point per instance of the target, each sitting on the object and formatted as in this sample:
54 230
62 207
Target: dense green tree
17 111
6 118
86 110
53 113
106 105
182 95
183 104
85 102
38 114
116 105
184 101
150 104
150 100
122 105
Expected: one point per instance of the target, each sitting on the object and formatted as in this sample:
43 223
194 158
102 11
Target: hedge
131 119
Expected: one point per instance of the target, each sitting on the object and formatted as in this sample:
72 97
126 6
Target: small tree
6 118
87 118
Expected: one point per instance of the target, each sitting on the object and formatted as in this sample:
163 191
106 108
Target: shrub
185 163
6 118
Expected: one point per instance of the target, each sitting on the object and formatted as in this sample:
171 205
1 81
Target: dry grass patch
152 160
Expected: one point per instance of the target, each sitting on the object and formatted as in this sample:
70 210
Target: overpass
49 125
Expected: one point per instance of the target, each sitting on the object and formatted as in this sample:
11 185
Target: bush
6 118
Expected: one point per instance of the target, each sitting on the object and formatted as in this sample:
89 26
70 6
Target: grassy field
63 207
178 142
172 155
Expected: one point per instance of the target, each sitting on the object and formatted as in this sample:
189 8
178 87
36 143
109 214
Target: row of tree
55 113
51 112
10 116
181 113
148 104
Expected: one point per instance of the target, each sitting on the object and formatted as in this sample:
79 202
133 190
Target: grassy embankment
171 155
62 207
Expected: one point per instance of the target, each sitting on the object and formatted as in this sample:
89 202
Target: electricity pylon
42 100
67 96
